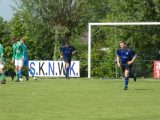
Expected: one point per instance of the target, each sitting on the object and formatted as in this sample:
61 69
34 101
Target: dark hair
66 42
14 38
122 42
1 37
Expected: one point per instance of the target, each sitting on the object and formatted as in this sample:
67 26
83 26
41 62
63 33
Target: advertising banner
53 68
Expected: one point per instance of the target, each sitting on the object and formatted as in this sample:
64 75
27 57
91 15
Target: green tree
47 22
6 42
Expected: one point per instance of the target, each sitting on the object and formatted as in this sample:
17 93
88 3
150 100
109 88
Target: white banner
53 68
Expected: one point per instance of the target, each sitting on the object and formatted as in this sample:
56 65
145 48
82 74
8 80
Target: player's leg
132 74
17 74
3 81
20 69
134 77
67 65
26 73
25 68
68 62
12 73
32 73
126 76
123 73
16 70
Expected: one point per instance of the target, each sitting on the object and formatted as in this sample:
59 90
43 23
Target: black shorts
67 60
126 67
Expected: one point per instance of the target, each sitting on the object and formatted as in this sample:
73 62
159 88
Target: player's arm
23 51
133 56
133 59
1 57
73 50
118 61
14 53
61 53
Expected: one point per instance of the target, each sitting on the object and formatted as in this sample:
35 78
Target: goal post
110 24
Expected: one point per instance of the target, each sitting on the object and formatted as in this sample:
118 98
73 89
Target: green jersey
1 53
18 51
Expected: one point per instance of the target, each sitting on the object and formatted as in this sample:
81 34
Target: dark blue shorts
67 60
126 67
25 62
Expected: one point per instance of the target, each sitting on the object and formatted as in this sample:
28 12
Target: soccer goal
91 25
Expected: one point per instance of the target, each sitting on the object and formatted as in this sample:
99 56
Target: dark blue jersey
25 51
67 51
125 55
25 62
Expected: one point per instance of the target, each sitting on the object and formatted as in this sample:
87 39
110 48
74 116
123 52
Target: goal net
103 42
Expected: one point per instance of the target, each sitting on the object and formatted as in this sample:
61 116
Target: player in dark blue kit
125 59
66 54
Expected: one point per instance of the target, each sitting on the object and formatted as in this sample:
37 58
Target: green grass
80 99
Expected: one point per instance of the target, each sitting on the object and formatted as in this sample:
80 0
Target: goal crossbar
110 24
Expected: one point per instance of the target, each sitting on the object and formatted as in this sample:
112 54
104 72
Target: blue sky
5 9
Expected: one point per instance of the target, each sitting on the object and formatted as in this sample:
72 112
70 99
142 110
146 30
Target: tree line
45 23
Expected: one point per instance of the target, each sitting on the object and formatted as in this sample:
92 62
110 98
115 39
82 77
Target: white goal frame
110 24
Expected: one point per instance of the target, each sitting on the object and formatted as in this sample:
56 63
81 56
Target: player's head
0 38
23 40
66 43
122 44
14 40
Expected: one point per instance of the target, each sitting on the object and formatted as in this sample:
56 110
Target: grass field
80 99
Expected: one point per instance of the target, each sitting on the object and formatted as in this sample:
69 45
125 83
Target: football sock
126 81
20 73
30 71
2 76
67 72
17 76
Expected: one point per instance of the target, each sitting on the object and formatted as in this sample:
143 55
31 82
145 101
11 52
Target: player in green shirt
3 81
18 58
